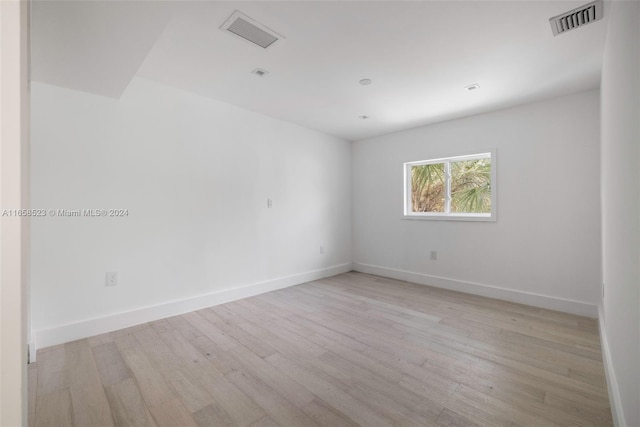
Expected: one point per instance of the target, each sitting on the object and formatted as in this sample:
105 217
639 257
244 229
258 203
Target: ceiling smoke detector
242 26
575 18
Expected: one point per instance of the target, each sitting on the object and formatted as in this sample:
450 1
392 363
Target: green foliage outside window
470 186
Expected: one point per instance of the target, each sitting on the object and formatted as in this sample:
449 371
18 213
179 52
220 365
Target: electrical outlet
269 203
433 255
111 278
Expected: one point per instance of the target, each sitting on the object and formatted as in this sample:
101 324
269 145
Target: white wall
546 241
621 209
195 175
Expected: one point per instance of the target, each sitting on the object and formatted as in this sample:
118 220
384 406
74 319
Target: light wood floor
349 350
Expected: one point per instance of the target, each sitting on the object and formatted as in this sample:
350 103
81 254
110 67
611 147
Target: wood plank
220 358
213 415
601 416
278 408
356 410
247 309
161 325
54 409
227 400
150 382
89 402
127 331
449 418
326 415
111 367
402 405
171 414
259 346
285 386
100 339
51 367
127 406
265 422
186 386
192 395
284 342
157 350
332 335
358 358
32 387
208 329
475 348
180 324
278 305
510 412
381 306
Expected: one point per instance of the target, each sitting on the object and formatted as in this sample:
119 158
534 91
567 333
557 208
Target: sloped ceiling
94 46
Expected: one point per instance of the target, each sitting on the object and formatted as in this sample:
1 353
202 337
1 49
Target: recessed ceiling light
260 72
365 82
472 87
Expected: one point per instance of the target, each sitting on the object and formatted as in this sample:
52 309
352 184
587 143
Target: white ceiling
419 54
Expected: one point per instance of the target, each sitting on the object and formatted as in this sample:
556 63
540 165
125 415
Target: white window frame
448 216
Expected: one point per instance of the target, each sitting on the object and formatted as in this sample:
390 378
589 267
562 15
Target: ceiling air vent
576 18
242 26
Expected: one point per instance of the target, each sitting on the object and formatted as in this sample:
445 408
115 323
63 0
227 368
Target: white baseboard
536 300
100 325
612 383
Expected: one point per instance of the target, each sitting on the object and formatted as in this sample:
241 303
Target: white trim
14 192
100 325
437 216
31 349
537 300
615 399
479 155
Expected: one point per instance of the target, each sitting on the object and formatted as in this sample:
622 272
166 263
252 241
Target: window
457 188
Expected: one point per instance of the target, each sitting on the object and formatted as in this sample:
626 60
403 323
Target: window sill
443 217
